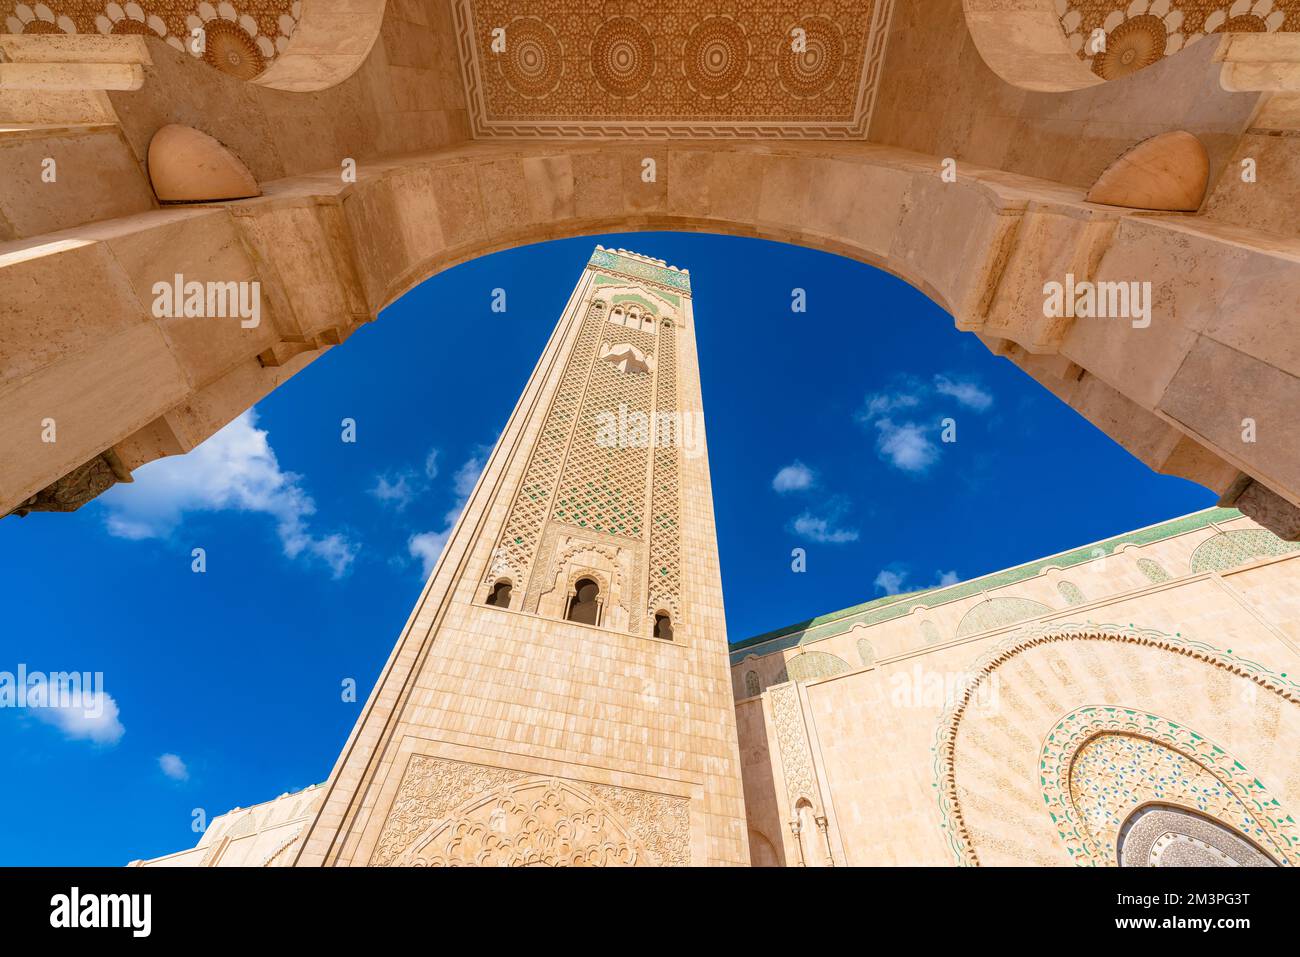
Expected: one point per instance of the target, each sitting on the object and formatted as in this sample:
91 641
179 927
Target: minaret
561 692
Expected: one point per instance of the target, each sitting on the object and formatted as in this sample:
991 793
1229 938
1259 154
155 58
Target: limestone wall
1180 672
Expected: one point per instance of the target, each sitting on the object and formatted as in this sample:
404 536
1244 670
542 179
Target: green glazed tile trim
672 278
895 606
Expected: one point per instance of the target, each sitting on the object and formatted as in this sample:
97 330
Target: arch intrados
659 223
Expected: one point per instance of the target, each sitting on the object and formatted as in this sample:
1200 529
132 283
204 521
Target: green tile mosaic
895 606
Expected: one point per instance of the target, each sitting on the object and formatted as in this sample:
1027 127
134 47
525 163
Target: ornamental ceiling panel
635 68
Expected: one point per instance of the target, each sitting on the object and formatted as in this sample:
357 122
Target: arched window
663 625
500 595
752 687
584 603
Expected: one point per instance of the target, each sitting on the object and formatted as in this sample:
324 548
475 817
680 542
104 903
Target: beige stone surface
186 165
1208 650
935 168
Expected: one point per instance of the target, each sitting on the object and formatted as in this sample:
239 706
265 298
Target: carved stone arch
1005 740
1164 835
998 613
393 199
537 821
811 665
606 564
608 579
1089 786
1235 547
602 579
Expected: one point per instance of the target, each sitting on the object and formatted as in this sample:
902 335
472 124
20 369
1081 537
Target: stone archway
330 254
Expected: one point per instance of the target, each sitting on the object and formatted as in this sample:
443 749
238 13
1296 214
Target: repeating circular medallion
532 61
231 50
811 61
129 26
622 56
1132 45
1245 23
716 56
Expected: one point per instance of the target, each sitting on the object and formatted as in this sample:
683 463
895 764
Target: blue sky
223 689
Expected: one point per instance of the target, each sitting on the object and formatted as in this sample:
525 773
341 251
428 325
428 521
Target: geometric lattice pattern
1230 549
1115 773
635 68
240 38
523 528
998 613
1100 763
665 495
609 449
866 653
810 666
603 483
1153 571
1071 593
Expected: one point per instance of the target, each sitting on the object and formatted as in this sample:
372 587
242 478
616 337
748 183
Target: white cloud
173 767
900 440
822 530
431 464
467 475
883 403
396 488
427 546
966 391
794 477
235 469
906 446
91 717
890 581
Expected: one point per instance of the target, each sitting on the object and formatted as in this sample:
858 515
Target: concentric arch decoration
1271 826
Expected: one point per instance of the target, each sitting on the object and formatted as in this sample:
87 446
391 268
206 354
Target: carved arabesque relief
671 68
792 742
612 568
450 813
240 37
